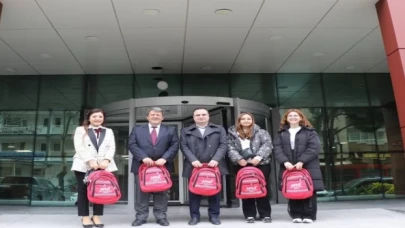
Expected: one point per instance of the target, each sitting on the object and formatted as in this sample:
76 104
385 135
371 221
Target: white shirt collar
92 127
157 127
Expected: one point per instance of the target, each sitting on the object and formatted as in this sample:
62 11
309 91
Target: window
46 122
58 121
43 147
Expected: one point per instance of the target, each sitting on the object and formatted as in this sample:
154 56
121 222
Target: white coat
87 148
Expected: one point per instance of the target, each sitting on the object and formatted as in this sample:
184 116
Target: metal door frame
129 107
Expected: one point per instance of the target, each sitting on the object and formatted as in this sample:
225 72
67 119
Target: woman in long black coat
298 146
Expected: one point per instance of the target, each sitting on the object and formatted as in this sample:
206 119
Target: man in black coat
153 143
204 142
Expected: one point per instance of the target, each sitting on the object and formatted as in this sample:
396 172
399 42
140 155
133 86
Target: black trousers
213 205
83 201
306 208
250 207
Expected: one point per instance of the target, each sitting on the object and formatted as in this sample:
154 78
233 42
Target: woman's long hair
239 127
304 121
86 122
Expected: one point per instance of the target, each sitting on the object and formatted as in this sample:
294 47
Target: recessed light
223 11
46 56
318 54
206 68
275 38
350 67
157 68
11 69
151 12
92 38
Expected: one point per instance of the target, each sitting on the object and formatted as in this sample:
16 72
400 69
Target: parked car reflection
20 187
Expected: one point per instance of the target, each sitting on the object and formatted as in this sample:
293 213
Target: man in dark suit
204 142
151 144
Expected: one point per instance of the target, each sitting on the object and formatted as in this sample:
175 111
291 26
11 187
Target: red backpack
102 187
250 183
205 181
154 178
297 184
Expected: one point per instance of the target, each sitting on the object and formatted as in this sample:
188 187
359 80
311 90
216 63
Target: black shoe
193 221
97 225
215 221
266 219
87 225
138 222
162 222
250 220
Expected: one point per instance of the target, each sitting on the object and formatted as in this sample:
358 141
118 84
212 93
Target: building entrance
122 116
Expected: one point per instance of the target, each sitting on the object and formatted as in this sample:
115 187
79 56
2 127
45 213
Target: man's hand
160 162
196 164
255 161
93 164
242 162
213 163
288 166
104 164
299 165
148 161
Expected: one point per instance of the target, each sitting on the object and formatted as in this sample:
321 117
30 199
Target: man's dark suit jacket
140 145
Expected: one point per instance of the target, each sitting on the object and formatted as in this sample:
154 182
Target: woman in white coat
95 149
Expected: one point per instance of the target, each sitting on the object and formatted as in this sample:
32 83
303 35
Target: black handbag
247 154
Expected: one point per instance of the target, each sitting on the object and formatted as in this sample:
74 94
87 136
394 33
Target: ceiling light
350 67
206 68
157 68
162 85
11 69
318 54
92 38
46 56
151 12
275 38
223 12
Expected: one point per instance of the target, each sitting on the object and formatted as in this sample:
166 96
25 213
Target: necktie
153 135
98 130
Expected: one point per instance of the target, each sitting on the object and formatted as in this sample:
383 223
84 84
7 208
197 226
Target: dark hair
86 122
239 128
199 108
304 121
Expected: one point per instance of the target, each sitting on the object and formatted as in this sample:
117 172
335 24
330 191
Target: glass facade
355 116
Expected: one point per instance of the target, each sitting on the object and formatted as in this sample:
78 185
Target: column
392 23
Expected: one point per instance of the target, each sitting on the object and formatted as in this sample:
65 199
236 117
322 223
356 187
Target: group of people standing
296 146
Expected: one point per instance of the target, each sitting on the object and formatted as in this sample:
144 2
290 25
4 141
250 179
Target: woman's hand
288 166
93 164
255 161
299 165
104 164
242 162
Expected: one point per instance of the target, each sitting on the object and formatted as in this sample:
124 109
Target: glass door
121 132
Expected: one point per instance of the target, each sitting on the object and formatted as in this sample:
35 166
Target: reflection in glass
19 92
15 178
206 85
345 90
255 87
299 90
104 89
53 181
